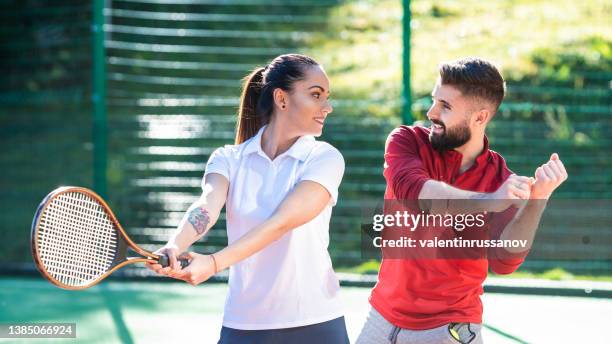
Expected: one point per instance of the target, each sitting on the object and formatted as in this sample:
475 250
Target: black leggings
329 332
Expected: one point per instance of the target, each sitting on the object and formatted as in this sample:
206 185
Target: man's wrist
540 197
483 202
490 202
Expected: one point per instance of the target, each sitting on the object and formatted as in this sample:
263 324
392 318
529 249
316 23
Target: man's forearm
433 189
439 197
525 224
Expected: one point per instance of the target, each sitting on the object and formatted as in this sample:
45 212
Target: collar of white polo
299 150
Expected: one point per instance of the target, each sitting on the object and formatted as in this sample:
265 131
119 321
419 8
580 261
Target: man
445 168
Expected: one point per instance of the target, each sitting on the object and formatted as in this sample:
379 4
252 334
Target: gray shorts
377 330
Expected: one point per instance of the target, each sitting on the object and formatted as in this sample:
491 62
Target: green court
156 312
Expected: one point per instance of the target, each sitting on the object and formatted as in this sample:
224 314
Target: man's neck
469 151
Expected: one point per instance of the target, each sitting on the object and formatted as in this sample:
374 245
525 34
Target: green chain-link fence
173 71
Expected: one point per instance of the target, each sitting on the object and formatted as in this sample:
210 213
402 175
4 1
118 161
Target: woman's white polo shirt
291 282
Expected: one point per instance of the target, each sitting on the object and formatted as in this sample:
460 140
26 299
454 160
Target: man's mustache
438 123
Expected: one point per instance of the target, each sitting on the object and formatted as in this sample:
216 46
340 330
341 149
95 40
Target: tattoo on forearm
199 219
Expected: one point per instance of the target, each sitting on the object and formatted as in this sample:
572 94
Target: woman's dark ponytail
248 121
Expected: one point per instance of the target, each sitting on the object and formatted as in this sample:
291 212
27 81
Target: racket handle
164 261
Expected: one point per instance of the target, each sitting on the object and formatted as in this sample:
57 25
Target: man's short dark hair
475 77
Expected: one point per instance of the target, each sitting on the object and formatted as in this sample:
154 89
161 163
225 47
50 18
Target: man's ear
482 116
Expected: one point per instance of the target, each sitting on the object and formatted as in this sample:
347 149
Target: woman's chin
316 132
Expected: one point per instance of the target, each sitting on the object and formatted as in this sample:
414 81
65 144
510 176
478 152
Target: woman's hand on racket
172 251
201 267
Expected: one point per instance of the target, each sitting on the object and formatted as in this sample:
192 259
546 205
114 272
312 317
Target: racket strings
76 238
73 250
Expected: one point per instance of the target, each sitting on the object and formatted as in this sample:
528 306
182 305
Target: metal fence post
406 96
99 99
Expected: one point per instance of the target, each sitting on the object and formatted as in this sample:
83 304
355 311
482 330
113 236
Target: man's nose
432 114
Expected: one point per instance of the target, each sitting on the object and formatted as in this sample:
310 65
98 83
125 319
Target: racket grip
164 261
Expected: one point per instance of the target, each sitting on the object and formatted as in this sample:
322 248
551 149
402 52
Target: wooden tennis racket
77 240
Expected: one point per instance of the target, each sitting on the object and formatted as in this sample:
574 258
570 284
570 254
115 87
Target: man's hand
515 187
548 177
514 191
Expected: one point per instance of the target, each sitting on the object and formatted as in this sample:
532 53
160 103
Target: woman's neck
277 139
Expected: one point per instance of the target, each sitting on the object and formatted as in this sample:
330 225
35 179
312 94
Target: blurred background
130 97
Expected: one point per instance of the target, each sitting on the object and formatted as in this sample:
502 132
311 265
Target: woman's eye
316 95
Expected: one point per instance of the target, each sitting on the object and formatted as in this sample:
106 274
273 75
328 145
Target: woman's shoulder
231 151
226 153
324 150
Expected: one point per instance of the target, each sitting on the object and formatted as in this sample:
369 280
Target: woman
279 186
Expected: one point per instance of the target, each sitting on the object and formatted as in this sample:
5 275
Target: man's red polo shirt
423 294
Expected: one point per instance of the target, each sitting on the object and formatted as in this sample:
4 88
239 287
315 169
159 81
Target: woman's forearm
196 222
303 204
253 241
202 214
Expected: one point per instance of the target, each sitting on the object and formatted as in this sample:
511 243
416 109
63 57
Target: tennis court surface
154 312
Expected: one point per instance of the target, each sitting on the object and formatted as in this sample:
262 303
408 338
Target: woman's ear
280 98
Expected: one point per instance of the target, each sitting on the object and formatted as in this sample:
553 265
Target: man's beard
451 138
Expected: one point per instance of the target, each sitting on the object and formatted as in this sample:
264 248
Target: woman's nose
328 108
